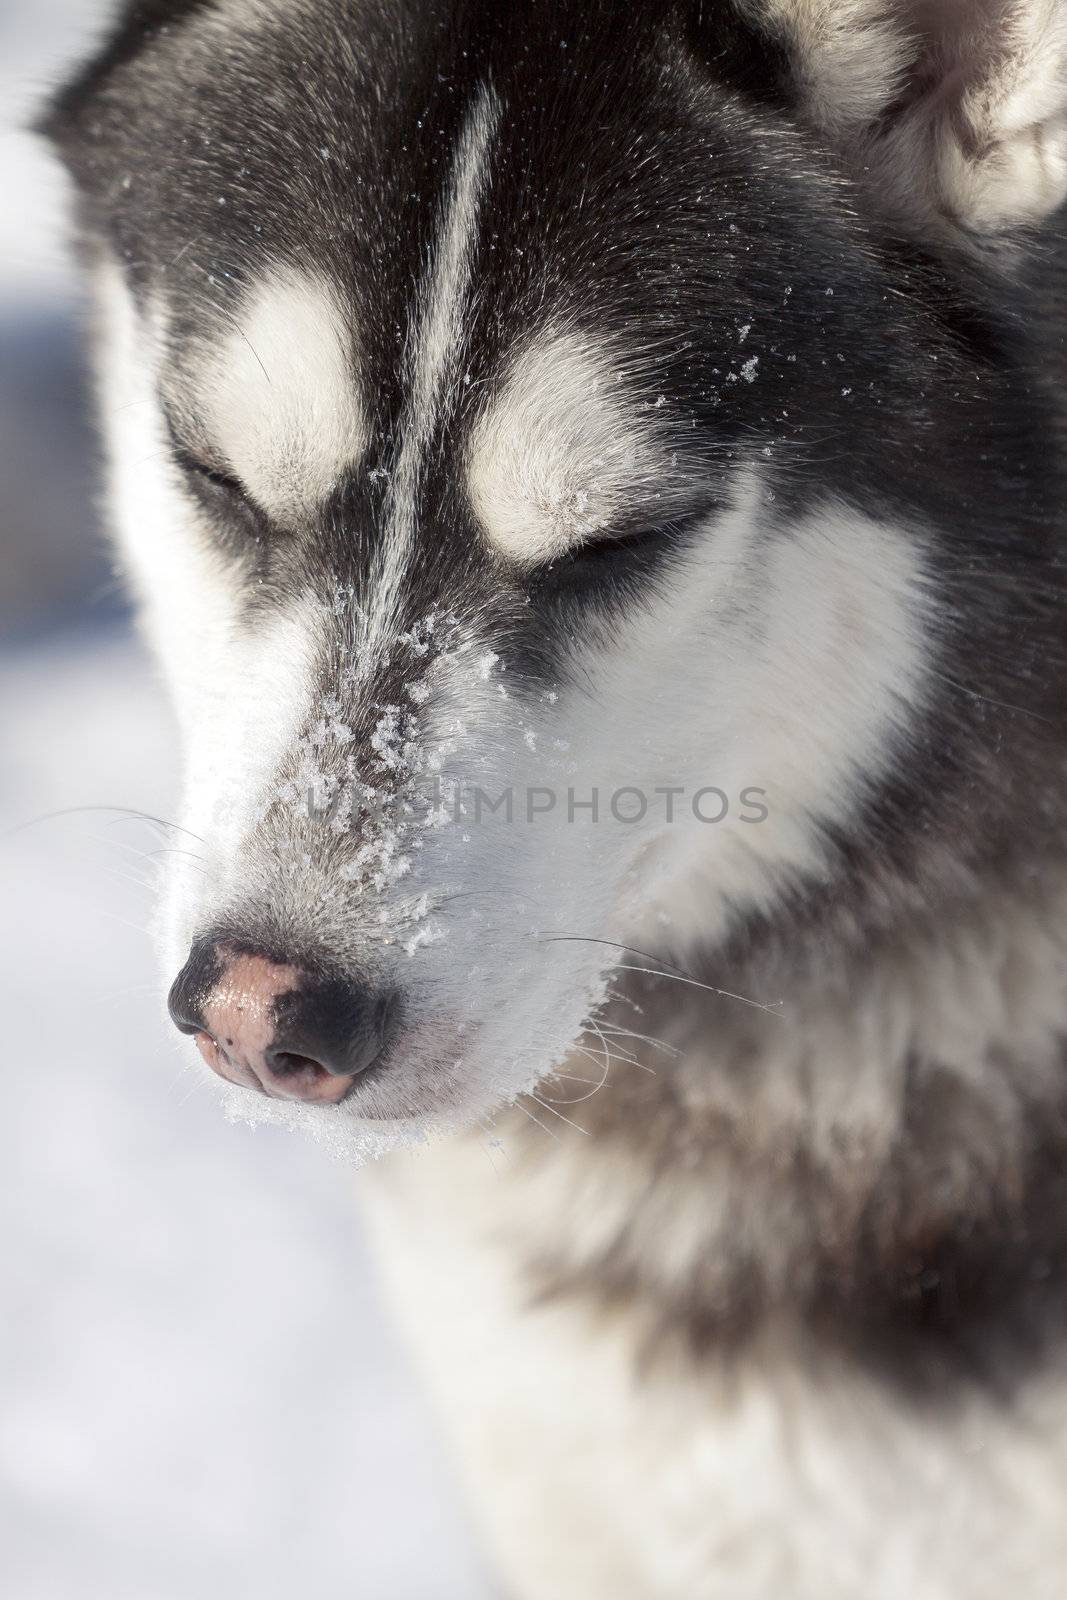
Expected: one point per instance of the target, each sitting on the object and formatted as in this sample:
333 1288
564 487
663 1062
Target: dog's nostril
302 1077
288 1067
340 1026
285 1064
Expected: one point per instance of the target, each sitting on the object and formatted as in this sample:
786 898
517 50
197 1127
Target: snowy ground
200 1396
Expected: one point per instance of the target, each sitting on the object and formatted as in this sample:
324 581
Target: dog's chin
435 1079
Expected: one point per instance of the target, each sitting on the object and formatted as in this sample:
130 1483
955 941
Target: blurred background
200 1393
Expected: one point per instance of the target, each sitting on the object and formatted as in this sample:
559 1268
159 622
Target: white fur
279 395
560 453
239 692
786 1471
808 715
954 111
781 1476
849 56
434 356
1001 159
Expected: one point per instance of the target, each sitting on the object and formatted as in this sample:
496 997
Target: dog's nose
275 1027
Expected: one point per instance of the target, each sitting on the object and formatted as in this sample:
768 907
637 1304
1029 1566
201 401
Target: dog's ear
137 23
955 111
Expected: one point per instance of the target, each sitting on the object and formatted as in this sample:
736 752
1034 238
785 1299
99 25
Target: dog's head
541 443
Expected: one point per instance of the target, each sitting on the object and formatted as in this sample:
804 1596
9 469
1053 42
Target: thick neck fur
881 1157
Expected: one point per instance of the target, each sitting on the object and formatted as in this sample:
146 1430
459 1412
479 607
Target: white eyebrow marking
280 393
434 350
560 452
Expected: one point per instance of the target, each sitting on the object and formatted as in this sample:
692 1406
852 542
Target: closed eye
612 554
206 473
213 484
606 547
601 568
615 566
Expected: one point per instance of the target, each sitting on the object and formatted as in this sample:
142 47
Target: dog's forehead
438 252
287 373
247 133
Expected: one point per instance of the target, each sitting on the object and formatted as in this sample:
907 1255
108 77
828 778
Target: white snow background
201 1397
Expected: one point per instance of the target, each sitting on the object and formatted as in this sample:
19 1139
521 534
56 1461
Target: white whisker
553 1112
527 1112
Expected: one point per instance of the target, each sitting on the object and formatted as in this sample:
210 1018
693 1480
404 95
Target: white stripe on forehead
434 353
561 453
279 395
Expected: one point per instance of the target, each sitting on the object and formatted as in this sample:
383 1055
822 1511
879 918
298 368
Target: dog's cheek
187 604
239 693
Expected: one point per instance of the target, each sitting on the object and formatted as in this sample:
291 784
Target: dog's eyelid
204 469
210 471
611 541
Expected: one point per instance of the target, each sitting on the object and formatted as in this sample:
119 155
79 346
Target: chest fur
597 1465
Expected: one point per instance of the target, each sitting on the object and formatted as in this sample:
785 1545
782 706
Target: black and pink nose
267 1025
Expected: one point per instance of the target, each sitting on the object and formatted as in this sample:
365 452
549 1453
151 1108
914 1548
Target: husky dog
593 474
